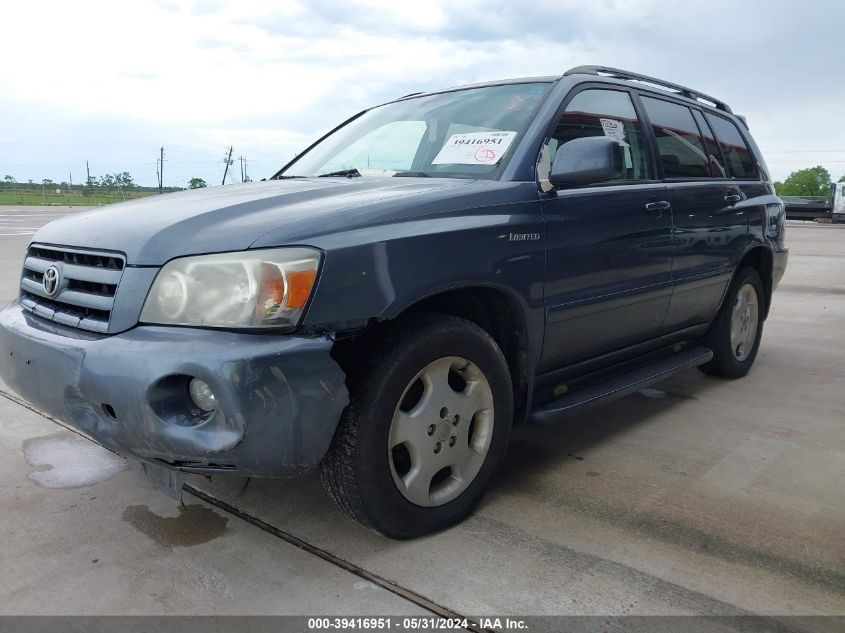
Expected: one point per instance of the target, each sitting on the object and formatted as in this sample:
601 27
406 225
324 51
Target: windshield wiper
342 173
412 174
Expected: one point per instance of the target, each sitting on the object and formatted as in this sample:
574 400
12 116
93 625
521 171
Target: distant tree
90 183
107 181
813 181
842 179
123 179
196 183
47 181
31 181
11 179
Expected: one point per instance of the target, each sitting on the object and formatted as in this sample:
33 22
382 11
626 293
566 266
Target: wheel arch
760 259
497 311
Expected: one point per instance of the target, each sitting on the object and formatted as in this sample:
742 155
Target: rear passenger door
708 230
608 245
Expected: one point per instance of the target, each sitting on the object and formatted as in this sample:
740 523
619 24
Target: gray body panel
151 231
280 396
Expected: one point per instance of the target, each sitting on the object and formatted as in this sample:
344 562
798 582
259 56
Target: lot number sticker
474 148
614 129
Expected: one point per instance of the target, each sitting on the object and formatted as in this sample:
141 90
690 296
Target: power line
802 161
804 151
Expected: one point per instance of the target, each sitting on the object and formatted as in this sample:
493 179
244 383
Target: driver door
609 245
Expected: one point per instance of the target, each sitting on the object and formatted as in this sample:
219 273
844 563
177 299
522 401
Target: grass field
63 199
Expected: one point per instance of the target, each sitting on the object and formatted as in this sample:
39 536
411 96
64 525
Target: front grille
87 284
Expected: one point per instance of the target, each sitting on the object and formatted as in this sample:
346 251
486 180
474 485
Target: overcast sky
110 82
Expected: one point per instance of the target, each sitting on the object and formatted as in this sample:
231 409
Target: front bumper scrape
279 397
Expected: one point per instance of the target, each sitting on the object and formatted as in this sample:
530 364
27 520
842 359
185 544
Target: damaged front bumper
278 398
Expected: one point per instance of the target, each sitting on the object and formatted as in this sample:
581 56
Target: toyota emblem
52 281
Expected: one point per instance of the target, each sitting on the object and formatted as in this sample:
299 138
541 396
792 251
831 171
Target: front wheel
427 424
734 336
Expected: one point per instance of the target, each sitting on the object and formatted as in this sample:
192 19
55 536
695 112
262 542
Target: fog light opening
202 395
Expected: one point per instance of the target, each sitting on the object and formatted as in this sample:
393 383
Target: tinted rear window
740 161
679 143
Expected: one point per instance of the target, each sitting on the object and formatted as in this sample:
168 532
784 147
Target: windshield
460 134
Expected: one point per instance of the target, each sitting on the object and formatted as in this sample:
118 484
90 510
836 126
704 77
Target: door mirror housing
586 161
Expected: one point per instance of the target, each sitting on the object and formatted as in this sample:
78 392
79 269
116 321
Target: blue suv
390 303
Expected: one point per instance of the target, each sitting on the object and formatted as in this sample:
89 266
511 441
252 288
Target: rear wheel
735 334
427 424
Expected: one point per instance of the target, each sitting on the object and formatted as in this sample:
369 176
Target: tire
734 347
396 430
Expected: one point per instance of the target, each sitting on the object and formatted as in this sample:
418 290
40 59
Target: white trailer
838 202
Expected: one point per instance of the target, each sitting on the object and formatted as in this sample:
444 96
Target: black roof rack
616 73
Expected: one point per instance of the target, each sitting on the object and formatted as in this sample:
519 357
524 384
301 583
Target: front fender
377 272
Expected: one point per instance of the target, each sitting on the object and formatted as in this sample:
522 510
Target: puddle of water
195 525
66 460
366 584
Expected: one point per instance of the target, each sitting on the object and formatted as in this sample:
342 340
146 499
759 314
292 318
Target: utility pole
87 173
161 173
228 162
244 175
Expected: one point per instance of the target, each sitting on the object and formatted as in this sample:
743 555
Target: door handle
660 205
733 198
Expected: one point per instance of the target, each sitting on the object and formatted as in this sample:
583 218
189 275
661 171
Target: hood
155 229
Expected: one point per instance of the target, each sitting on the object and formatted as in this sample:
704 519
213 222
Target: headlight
250 289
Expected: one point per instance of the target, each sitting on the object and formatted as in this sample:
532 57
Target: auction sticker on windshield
474 148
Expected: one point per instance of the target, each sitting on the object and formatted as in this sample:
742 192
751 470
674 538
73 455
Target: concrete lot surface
701 496
17 226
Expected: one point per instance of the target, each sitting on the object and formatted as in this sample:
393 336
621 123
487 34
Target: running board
621 385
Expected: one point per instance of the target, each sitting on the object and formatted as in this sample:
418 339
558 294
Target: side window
678 140
609 113
714 154
740 161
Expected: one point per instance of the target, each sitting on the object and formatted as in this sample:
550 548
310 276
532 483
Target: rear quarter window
739 159
714 154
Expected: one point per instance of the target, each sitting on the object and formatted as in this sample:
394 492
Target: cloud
268 76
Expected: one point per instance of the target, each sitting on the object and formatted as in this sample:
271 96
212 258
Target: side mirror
586 161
